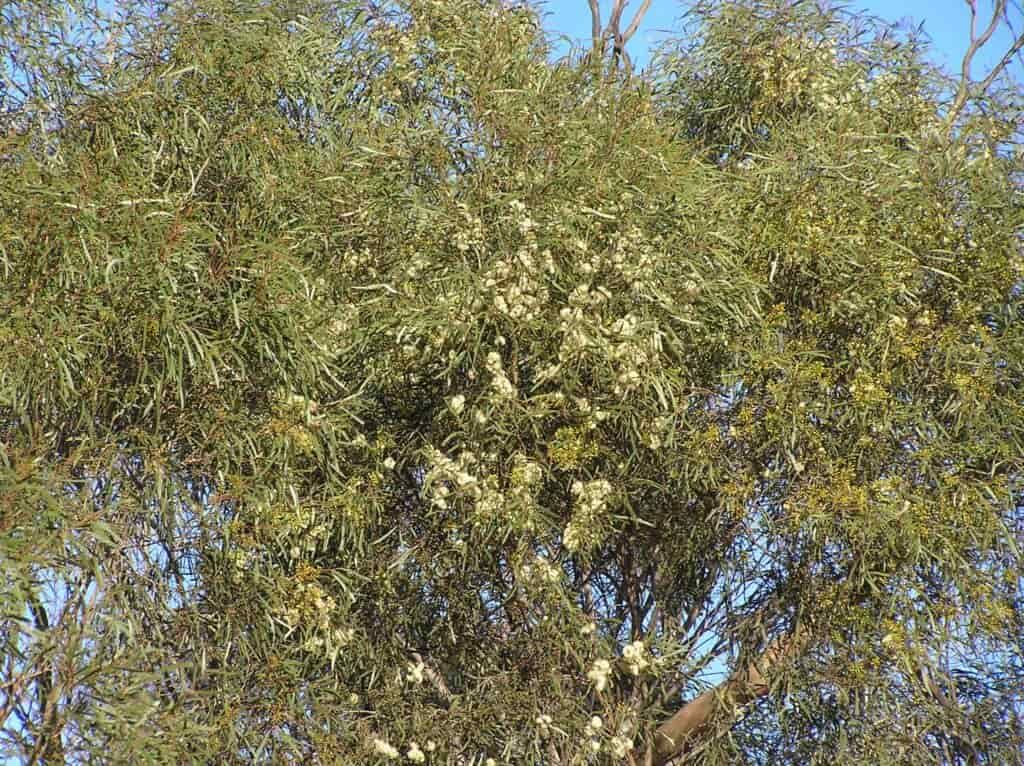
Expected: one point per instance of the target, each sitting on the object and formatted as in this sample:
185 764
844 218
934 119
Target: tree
373 388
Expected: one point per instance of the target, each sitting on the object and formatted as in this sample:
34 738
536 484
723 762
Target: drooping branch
746 685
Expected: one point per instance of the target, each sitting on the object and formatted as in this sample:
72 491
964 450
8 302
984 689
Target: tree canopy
376 388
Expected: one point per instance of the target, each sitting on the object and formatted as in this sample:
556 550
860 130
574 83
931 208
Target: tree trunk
674 736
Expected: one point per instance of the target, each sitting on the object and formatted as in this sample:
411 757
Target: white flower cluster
385 748
526 472
584 407
461 479
502 386
512 283
414 672
633 257
600 674
337 640
821 74
340 326
360 262
594 727
413 752
635 657
585 527
631 358
543 722
540 572
582 330
465 480
518 504
653 432
472 234
445 475
626 326
311 599
315 609
514 286
897 324
295 417
579 330
416 265
620 746
830 94
491 504
457 404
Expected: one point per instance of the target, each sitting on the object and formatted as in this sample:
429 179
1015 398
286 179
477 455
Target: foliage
373 388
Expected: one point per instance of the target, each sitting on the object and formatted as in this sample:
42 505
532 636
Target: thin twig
1003 63
963 91
635 23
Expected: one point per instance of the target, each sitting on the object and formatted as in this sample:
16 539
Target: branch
1003 63
635 23
673 736
614 29
595 27
435 678
613 21
963 91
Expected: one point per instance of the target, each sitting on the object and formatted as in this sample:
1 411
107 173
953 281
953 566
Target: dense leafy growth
374 388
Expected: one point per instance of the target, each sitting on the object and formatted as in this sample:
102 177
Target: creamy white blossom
634 655
385 748
620 746
585 526
415 672
414 753
600 674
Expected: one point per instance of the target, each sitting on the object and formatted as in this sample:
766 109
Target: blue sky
946 23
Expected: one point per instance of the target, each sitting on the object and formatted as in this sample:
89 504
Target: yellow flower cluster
294 417
570 448
869 390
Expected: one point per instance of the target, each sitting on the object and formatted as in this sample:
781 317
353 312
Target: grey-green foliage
368 379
